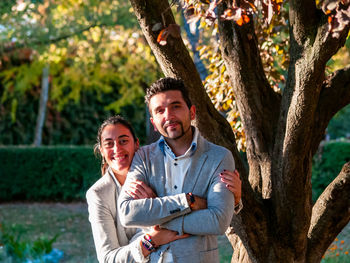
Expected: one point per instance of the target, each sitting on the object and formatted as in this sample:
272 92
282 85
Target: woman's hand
233 183
139 190
161 236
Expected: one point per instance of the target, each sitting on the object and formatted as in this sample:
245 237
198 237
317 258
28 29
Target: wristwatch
192 199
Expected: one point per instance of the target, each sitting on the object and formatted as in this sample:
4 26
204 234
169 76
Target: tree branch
302 16
330 215
9 47
258 104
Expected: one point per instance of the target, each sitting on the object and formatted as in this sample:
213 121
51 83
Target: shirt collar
163 146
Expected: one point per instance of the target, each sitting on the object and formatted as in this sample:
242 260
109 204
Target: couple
178 189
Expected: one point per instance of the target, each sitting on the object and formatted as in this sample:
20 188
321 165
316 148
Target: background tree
283 127
99 63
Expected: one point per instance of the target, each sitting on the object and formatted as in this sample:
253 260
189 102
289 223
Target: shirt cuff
238 207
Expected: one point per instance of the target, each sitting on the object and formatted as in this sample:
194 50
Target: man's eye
108 144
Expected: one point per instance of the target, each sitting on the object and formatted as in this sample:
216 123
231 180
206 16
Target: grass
339 250
49 219
71 222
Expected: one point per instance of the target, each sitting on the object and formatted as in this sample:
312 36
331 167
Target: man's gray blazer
173 212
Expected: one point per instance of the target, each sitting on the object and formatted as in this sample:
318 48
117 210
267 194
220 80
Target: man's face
170 114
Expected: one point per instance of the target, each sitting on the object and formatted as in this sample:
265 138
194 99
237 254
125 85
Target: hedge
60 173
327 164
64 173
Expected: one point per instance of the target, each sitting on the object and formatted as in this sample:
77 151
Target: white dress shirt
176 169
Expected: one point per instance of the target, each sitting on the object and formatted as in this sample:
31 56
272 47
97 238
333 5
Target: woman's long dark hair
117 119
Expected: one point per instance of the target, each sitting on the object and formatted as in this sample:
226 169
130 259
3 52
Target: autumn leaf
239 21
246 19
162 37
189 11
172 29
232 14
210 15
205 1
236 14
338 16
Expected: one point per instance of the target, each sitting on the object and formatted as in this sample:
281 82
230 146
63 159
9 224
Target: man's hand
139 190
233 183
199 203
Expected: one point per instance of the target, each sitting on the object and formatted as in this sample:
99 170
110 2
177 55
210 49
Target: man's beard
182 133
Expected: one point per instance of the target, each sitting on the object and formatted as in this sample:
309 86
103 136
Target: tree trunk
278 222
44 95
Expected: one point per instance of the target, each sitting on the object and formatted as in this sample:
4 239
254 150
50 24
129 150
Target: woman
117 144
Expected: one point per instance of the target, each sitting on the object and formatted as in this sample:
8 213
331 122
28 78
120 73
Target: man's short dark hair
165 84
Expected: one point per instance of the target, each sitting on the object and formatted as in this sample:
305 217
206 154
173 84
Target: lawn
71 222
49 219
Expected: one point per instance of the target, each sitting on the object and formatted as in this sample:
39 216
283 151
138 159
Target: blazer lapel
122 237
197 162
157 176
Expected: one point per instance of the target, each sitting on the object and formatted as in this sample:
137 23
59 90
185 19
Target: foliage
97 69
89 81
339 126
23 250
32 23
46 173
327 164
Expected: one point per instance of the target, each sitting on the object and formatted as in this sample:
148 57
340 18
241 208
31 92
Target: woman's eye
123 142
160 111
108 144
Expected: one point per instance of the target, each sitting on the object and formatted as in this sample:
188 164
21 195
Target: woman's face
118 147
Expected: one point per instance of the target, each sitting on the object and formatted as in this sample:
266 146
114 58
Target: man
183 169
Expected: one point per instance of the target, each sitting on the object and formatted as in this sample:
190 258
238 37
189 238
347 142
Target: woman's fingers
140 190
230 178
233 183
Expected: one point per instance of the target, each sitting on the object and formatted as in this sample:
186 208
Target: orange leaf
246 19
329 19
172 29
240 21
163 35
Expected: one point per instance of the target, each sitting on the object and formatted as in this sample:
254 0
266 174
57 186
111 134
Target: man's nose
168 114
